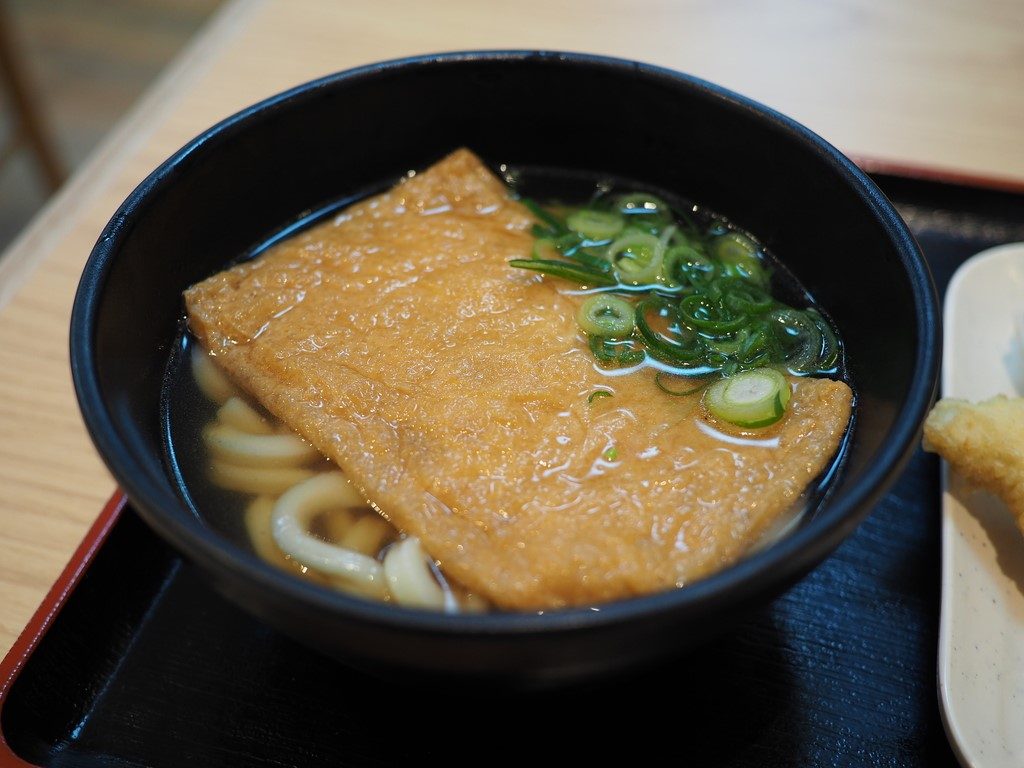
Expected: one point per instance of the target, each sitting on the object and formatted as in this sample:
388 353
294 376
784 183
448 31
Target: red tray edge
963 178
48 610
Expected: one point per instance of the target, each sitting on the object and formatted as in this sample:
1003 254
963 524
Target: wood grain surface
934 83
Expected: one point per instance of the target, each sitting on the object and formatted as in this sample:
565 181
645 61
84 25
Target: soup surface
464 400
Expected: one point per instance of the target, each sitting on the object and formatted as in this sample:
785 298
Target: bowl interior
246 178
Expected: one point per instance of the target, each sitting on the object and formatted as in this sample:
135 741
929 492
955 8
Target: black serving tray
134 661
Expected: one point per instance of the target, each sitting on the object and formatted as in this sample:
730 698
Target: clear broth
186 411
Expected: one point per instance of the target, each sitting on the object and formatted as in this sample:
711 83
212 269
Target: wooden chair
29 128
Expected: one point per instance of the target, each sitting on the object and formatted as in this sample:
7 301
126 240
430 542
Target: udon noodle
305 516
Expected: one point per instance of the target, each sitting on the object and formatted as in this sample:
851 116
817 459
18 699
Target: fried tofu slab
453 390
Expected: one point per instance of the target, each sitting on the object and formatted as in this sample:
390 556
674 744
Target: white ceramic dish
981 642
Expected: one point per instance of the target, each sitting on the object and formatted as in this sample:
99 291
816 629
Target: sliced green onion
590 260
595 225
799 338
728 345
677 351
548 218
746 297
598 393
611 454
738 255
666 236
730 368
545 248
829 343
693 384
585 276
704 306
750 399
680 237
567 240
703 313
615 353
685 265
607 316
637 258
642 228
760 346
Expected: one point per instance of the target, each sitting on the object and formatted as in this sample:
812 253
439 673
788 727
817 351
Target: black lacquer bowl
261 169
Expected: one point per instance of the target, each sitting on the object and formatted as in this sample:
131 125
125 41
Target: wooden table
930 83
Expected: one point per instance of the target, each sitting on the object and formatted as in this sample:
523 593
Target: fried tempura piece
983 442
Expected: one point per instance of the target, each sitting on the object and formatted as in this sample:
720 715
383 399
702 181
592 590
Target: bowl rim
767 570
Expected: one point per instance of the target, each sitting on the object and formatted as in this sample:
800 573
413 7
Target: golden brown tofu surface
982 441
453 390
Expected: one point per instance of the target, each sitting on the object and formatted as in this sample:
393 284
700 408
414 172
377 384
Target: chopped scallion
688 386
623 354
751 399
595 225
637 258
548 219
702 305
607 316
739 255
545 248
685 265
578 273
